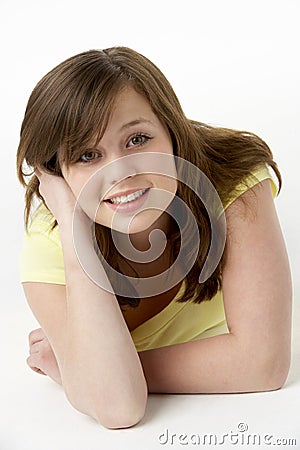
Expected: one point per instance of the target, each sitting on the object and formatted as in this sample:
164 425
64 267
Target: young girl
111 116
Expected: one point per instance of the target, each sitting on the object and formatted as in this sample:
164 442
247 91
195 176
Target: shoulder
42 223
257 175
41 257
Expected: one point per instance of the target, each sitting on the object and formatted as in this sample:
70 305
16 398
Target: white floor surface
36 415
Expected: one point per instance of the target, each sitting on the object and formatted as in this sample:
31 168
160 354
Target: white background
231 63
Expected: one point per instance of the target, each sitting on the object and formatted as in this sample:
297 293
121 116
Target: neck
140 242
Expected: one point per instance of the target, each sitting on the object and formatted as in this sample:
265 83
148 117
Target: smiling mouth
123 199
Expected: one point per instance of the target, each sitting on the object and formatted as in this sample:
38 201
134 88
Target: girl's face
133 130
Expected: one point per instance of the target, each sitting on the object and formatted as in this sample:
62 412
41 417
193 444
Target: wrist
78 221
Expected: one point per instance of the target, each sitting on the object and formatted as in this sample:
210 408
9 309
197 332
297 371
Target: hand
57 194
42 359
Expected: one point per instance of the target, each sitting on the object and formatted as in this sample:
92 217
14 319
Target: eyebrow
135 122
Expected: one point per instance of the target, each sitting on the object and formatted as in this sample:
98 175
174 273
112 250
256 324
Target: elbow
112 417
277 377
272 374
118 419
123 413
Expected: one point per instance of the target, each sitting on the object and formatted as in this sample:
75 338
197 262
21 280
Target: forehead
130 105
124 109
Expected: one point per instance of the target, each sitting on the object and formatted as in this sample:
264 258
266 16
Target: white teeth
128 198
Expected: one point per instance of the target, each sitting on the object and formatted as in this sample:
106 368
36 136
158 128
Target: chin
141 222
146 221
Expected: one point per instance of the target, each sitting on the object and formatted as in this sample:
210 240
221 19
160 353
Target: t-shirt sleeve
259 174
41 257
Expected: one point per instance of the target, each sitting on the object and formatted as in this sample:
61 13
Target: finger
32 363
40 346
35 348
36 335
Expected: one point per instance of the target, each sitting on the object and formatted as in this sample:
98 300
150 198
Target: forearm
101 372
220 364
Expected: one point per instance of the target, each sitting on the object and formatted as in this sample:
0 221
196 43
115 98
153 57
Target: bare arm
100 369
257 292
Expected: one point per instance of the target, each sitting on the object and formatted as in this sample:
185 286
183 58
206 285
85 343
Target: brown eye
89 156
138 139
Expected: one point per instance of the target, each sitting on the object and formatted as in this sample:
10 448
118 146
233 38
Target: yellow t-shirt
41 260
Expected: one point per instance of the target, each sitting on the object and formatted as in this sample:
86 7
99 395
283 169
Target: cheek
166 183
76 180
74 185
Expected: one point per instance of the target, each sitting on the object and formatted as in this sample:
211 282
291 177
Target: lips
125 193
128 207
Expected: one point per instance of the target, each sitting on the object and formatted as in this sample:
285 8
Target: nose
120 169
114 182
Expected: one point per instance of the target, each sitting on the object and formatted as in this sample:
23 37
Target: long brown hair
73 102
